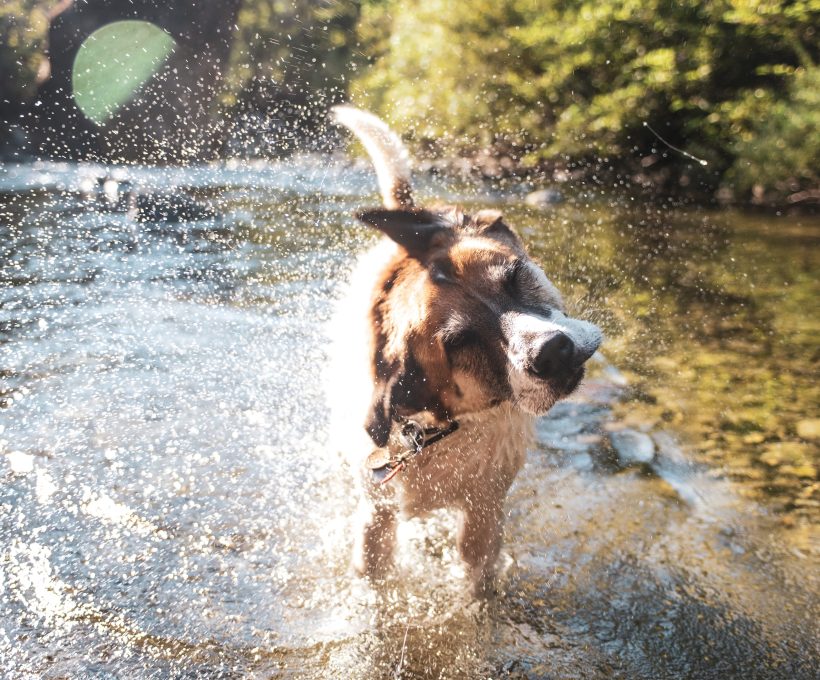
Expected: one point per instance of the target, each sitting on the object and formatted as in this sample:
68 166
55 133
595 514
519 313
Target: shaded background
512 87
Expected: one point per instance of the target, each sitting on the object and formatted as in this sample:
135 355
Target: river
169 507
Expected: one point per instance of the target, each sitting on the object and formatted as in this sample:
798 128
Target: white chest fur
473 466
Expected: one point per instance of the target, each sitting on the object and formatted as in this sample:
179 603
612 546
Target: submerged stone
809 428
582 461
792 453
632 447
805 471
544 197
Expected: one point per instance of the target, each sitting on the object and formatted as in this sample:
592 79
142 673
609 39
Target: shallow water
168 508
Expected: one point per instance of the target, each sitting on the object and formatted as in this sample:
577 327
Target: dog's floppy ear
401 389
415 230
491 222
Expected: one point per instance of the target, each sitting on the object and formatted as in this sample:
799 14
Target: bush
552 81
781 152
23 33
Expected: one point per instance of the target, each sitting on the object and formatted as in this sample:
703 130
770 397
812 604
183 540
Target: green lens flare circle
113 63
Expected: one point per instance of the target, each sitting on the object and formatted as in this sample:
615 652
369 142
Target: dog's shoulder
348 383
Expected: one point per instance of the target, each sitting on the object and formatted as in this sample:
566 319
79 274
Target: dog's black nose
555 356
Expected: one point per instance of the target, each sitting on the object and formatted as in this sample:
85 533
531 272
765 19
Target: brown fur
419 291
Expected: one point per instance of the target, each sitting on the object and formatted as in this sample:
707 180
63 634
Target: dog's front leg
479 542
375 538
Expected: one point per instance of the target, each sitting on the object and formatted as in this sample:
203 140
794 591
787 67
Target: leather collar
407 441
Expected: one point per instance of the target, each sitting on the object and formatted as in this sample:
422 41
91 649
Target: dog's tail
385 149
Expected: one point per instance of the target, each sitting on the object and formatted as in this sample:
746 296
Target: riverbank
649 178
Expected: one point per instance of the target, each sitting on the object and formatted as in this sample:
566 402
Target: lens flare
113 63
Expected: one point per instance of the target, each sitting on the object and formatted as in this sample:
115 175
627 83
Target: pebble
778 453
582 461
632 447
809 428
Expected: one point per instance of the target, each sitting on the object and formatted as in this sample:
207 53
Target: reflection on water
168 508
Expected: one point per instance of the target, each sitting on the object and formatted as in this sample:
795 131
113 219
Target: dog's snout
555 355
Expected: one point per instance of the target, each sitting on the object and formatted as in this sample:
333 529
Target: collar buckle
408 440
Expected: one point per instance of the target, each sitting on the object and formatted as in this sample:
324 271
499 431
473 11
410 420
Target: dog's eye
461 339
441 271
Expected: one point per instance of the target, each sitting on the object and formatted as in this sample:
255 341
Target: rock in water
544 197
633 448
170 207
809 428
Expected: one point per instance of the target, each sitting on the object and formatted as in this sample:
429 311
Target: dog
452 341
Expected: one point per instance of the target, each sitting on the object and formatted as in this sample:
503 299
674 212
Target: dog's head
463 320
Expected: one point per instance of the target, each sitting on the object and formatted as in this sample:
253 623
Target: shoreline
666 185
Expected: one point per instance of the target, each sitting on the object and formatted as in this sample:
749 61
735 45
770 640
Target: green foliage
23 32
544 82
547 79
296 45
782 148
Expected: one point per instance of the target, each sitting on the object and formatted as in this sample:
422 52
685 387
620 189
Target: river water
169 507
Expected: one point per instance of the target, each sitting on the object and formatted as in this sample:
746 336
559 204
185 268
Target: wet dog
456 341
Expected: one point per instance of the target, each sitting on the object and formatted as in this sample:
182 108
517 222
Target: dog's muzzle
560 361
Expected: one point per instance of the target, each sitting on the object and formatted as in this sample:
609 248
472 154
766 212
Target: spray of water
673 147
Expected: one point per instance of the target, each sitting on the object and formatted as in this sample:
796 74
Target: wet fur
435 313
